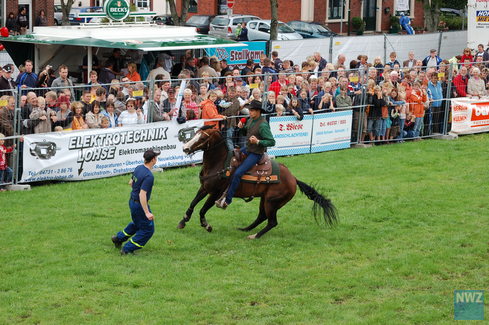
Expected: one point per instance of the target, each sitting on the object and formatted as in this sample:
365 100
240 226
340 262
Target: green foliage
358 25
454 22
395 27
413 228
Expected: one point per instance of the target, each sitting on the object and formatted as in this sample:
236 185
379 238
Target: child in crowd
280 109
304 102
78 120
40 116
271 102
296 109
5 170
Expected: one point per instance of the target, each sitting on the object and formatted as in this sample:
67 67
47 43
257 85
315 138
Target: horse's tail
329 210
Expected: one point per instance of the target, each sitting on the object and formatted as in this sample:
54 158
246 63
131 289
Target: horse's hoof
208 228
181 225
252 236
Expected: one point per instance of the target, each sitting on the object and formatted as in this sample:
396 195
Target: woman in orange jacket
209 110
416 106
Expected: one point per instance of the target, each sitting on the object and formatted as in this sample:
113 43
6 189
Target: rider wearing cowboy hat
259 138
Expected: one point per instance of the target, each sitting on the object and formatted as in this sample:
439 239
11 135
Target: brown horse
273 196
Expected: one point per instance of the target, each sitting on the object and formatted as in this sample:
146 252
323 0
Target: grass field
413 228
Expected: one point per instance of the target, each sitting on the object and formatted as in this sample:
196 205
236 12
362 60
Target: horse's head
204 139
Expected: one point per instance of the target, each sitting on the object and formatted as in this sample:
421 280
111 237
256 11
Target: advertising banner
237 56
331 131
292 136
315 133
98 153
477 22
470 115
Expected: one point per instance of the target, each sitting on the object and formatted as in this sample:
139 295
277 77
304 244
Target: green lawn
413 228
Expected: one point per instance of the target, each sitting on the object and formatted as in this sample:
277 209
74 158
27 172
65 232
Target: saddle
265 171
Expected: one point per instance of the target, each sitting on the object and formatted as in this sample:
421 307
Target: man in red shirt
460 82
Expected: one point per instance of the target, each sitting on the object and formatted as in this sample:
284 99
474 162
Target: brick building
333 13
33 7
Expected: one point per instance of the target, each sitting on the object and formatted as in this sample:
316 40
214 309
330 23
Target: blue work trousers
251 160
139 231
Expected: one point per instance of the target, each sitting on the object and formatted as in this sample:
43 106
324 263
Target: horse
213 183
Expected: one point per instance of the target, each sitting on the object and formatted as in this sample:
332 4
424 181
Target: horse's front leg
201 193
211 200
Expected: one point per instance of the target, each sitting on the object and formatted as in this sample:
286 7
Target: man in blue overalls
142 226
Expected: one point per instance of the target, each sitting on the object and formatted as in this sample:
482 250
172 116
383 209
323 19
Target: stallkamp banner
237 56
315 133
88 154
470 115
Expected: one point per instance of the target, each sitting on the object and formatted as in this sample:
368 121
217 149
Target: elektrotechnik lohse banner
97 153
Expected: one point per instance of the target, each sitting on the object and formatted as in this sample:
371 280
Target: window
192 7
142 4
336 9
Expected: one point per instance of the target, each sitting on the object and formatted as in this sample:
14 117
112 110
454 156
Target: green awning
174 43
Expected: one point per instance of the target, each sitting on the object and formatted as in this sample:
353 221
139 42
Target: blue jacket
436 94
426 59
116 118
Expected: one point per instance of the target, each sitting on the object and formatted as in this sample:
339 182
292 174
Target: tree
65 9
274 20
178 20
431 14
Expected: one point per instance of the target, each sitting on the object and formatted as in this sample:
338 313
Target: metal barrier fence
40 110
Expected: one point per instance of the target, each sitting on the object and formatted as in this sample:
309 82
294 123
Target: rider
259 137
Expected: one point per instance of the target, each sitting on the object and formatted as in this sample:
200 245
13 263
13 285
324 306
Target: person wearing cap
140 230
6 81
258 138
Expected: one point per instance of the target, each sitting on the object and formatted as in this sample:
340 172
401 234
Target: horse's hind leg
209 203
201 193
262 216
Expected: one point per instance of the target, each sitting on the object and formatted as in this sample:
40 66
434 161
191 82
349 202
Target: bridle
207 142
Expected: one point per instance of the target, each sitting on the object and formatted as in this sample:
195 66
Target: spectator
78 120
224 68
159 71
248 67
475 85
11 24
153 111
132 73
169 105
416 106
107 73
405 23
188 104
110 115
7 84
62 80
41 20
277 62
432 60
209 110
243 35
279 83
41 116
64 116
342 99
374 122
5 171
481 53
116 62
105 123
434 111
22 21
27 79
304 102
205 67
410 62
94 116
270 103
131 116
7 116
393 60
467 57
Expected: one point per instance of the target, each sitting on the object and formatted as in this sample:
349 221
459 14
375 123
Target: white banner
315 133
470 115
402 5
292 136
332 131
97 153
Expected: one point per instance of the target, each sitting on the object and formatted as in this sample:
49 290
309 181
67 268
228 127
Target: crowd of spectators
392 100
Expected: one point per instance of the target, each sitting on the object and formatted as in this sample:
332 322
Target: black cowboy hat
256 104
